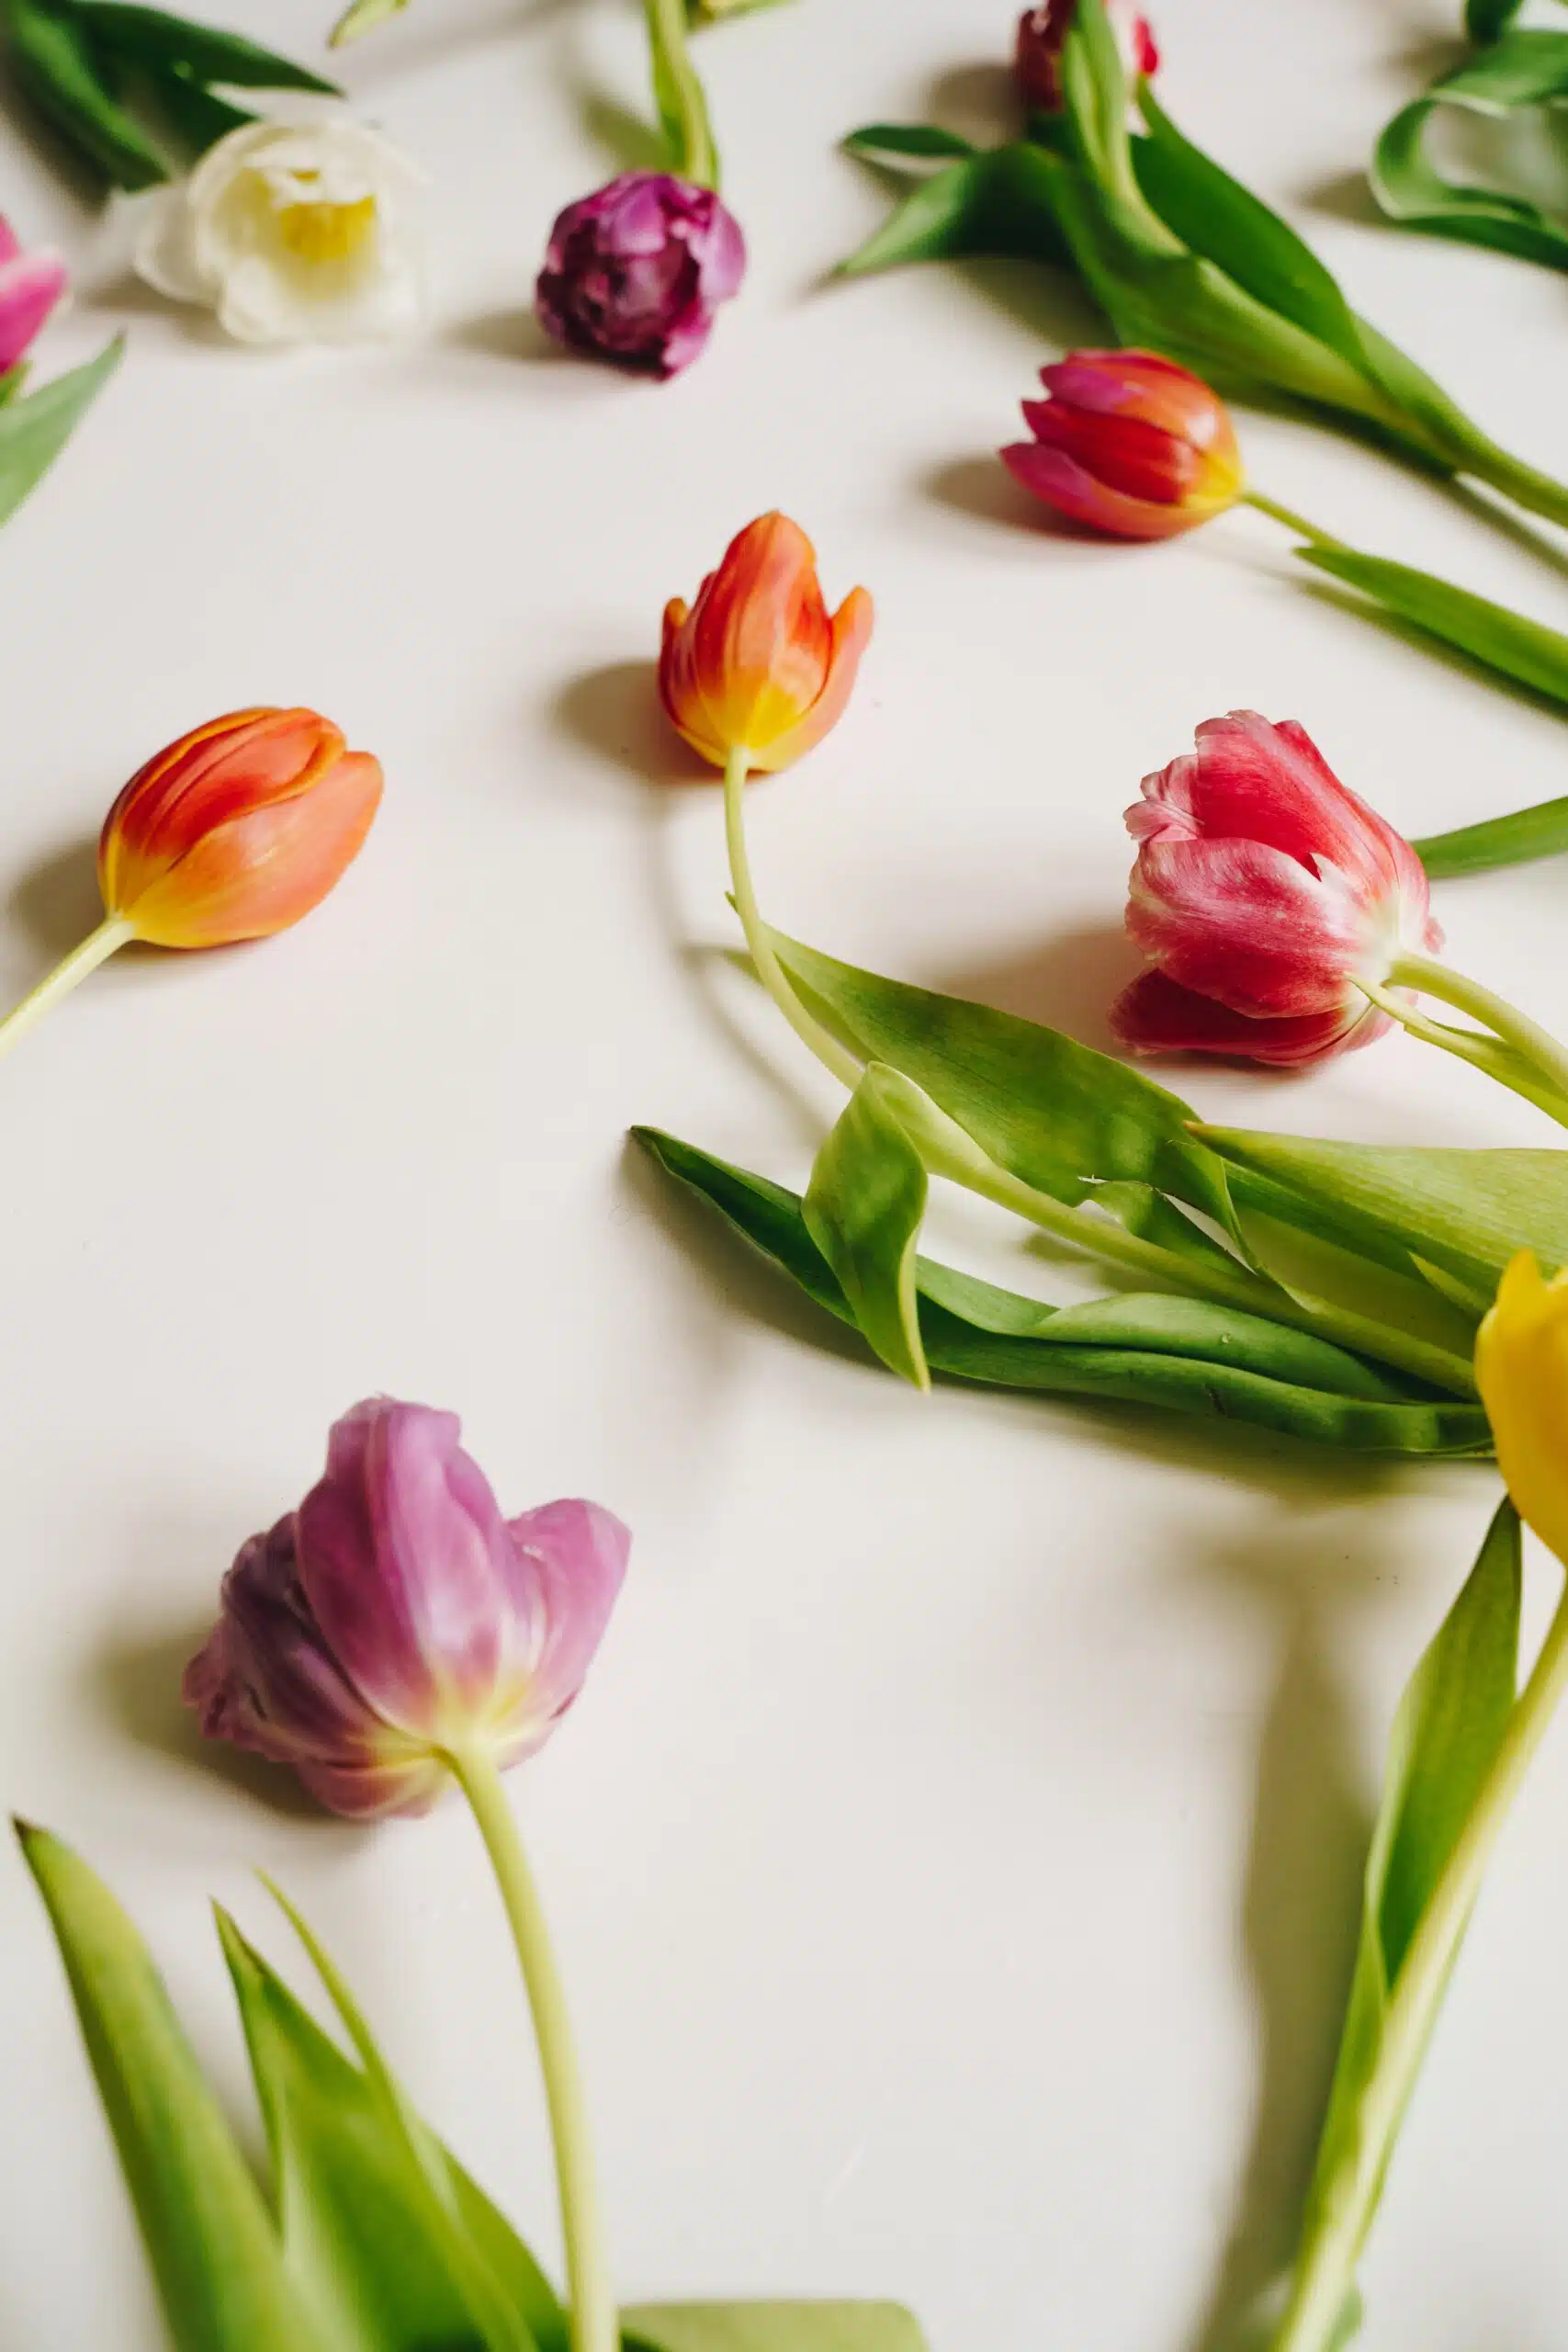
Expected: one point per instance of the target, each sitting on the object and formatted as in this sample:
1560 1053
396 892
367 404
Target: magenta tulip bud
396 1618
634 272
1041 35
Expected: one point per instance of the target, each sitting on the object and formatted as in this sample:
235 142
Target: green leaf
923 142
864 1209
424 2166
1468 1211
1524 651
1228 225
362 17
1484 19
1521 70
1538 831
1182 1354
772 2328
354 2211
1445 1735
1054 1114
211 2243
153 38
55 64
196 115
34 429
998 203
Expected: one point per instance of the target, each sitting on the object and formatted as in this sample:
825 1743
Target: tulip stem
595 2324
683 109
1526 1042
95 949
1292 521
1342 2207
770 971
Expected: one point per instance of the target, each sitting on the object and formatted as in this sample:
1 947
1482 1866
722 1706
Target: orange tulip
757 670
232 833
237 829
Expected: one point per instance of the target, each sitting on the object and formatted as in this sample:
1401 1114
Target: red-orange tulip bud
757 665
237 829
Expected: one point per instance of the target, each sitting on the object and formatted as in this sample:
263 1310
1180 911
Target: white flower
296 230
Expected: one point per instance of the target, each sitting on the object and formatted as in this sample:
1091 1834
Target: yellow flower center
317 232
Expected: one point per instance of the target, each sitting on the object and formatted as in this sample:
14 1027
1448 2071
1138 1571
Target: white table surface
955 1858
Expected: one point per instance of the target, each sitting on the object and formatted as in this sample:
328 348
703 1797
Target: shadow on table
56 901
134 1678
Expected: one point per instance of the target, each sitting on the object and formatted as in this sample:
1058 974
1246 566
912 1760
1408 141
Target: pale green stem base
1509 1048
770 971
595 2324
96 948
1327 2266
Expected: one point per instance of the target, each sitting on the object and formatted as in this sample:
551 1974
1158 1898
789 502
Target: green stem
95 949
1481 1051
770 971
682 108
1326 2269
1539 494
1536 1045
1293 522
596 2325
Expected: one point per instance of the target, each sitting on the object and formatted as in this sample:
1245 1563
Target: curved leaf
34 429
922 143
154 37
1527 652
56 65
1540 832
863 1208
999 203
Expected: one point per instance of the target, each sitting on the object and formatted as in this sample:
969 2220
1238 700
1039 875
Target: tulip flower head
1263 891
1130 445
756 666
396 1618
1041 35
1521 1369
635 273
30 286
237 829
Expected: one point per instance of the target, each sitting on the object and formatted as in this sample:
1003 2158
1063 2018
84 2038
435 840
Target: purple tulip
396 1618
635 273
30 286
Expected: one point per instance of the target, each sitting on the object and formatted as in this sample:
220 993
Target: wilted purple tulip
397 1619
634 272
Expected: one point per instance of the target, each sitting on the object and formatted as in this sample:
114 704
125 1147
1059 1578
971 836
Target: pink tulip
1043 31
30 286
397 1620
1128 443
1263 892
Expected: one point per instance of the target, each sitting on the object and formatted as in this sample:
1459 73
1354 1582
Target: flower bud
1129 444
757 665
1521 1369
634 272
30 286
1263 891
1041 32
237 829
396 1618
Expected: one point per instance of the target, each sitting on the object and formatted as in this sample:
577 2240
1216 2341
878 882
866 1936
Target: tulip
30 286
1521 1368
752 676
395 1630
635 273
232 833
1266 897
1129 444
1041 33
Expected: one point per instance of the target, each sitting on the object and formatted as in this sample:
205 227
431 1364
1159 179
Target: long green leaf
924 142
1179 1353
34 429
1524 651
1520 70
55 64
995 204
354 2211
1540 831
212 2245
770 2327
1468 1211
1445 1735
152 37
863 1208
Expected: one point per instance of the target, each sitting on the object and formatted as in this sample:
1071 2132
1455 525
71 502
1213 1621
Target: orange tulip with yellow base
232 833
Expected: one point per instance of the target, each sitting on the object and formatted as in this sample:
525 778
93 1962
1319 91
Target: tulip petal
1244 923
1060 479
1155 392
568 1563
1521 1368
235 763
1154 1016
759 636
30 286
851 628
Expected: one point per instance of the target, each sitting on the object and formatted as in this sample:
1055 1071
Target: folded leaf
1183 1354
1467 1211
212 2245
153 38
34 429
1527 652
1520 70
55 64
1540 832
770 2327
863 1208
998 203
352 2210
922 142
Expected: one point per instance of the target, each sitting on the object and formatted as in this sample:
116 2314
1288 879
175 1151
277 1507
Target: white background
954 1856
